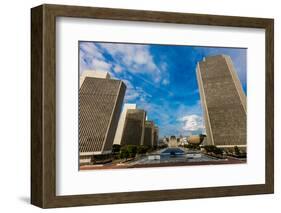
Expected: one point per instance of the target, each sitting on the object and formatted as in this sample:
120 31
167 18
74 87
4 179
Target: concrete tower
121 123
149 133
133 133
100 102
223 102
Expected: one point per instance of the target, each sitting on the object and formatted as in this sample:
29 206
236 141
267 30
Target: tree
237 151
124 153
192 146
142 149
213 149
116 148
132 150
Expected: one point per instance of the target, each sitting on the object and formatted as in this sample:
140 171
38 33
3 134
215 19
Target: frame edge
37 189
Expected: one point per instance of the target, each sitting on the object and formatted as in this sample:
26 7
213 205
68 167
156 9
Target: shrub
213 149
142 149
124 153
237 151
191 146
132 150
116 148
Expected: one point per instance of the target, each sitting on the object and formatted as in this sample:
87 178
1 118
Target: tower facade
223 101
149 133
133 133
155 136
100 102
121 123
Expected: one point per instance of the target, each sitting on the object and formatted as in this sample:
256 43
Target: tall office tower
148 133
100 102
223 102
121 123
133 133
155 136
93 74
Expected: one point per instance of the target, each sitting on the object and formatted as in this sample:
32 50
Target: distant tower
173 142
156 136
100 102
223 102
121 123
149 133
133 133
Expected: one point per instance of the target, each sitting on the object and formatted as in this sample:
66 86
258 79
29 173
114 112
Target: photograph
157 105
125 100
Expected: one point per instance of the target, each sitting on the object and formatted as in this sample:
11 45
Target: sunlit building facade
223 101
100 102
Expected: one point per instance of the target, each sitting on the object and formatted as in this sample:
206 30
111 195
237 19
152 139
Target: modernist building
133 133
223 102
155 136
100 102
149 133
121 123
93 74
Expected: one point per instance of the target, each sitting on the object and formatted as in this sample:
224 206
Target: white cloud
91 50
91 57
98 64
133 93
192 123
136 58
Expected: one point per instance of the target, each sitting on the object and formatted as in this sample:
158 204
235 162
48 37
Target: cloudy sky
160 79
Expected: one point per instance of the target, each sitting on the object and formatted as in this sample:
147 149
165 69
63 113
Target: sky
161 79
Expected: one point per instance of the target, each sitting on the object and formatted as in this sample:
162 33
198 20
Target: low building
195 139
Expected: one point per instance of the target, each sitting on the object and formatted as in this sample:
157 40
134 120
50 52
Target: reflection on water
170 155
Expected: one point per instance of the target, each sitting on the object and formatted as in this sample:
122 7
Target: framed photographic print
136 106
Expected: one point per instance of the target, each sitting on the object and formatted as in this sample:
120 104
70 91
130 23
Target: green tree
116 148
124 154
237 151
132 150
142 149
213 149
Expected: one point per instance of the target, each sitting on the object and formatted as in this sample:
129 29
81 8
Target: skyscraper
133 133
121 123
155 136
100 102
149 133
223 102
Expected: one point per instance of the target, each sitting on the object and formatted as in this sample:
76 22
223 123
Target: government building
100 103
133 133
149 133
121 123
223 101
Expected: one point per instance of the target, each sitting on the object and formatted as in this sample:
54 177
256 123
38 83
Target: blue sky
160 79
